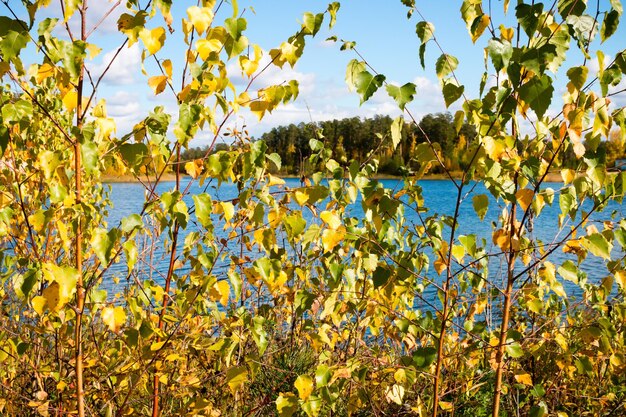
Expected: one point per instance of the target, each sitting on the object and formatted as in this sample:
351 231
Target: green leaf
569 271
259 334
597 245
402 95
609 25
422 52
12 44
204 206
180 212
500 52
514 350
396 131
235 27
131 223
4 139
188 119
353 69
91 157
294 225
481 205
322 375
236 377
537 93
73 54
333 8
528 17
275 158
367 84
311 23
584 27
131 25
425 31
103 242
131 254
452 92
424 356
134 154
445 65
286 404
57 192
16 112
540 410
380 276
578 76
574 7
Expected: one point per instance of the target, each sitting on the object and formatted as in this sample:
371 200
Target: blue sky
380 28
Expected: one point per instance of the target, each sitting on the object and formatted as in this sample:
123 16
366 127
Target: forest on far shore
363 139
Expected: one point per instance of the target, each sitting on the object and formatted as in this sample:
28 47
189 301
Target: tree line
364 139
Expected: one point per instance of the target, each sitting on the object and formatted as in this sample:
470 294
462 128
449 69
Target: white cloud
96 16
124 68
126 109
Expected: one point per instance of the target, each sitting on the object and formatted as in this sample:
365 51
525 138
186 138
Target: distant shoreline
108 178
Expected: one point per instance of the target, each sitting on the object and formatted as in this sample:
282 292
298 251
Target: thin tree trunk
168 282
80 289
506 311
446 306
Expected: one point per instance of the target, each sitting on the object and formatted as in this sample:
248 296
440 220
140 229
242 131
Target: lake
439 196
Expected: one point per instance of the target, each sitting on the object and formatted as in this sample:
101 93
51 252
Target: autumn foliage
281 300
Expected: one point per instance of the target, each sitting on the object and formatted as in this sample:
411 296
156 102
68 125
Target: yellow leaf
39 303
446 406
228 209
236 377
524 378
395 394
156 346
440 265
568 175
153 39
194 168
157 83
259 107
400 376
200 17
524 197
100 109
206 46
114 317
301 198
249 66
458 252
620 277
331 219
70 100
289 52
286 404
480 28
44 71
221 292
304 385
52 297
93 50
506 33
275 180
331 238
167 66
62 285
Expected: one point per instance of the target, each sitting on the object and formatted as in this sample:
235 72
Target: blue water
439 197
